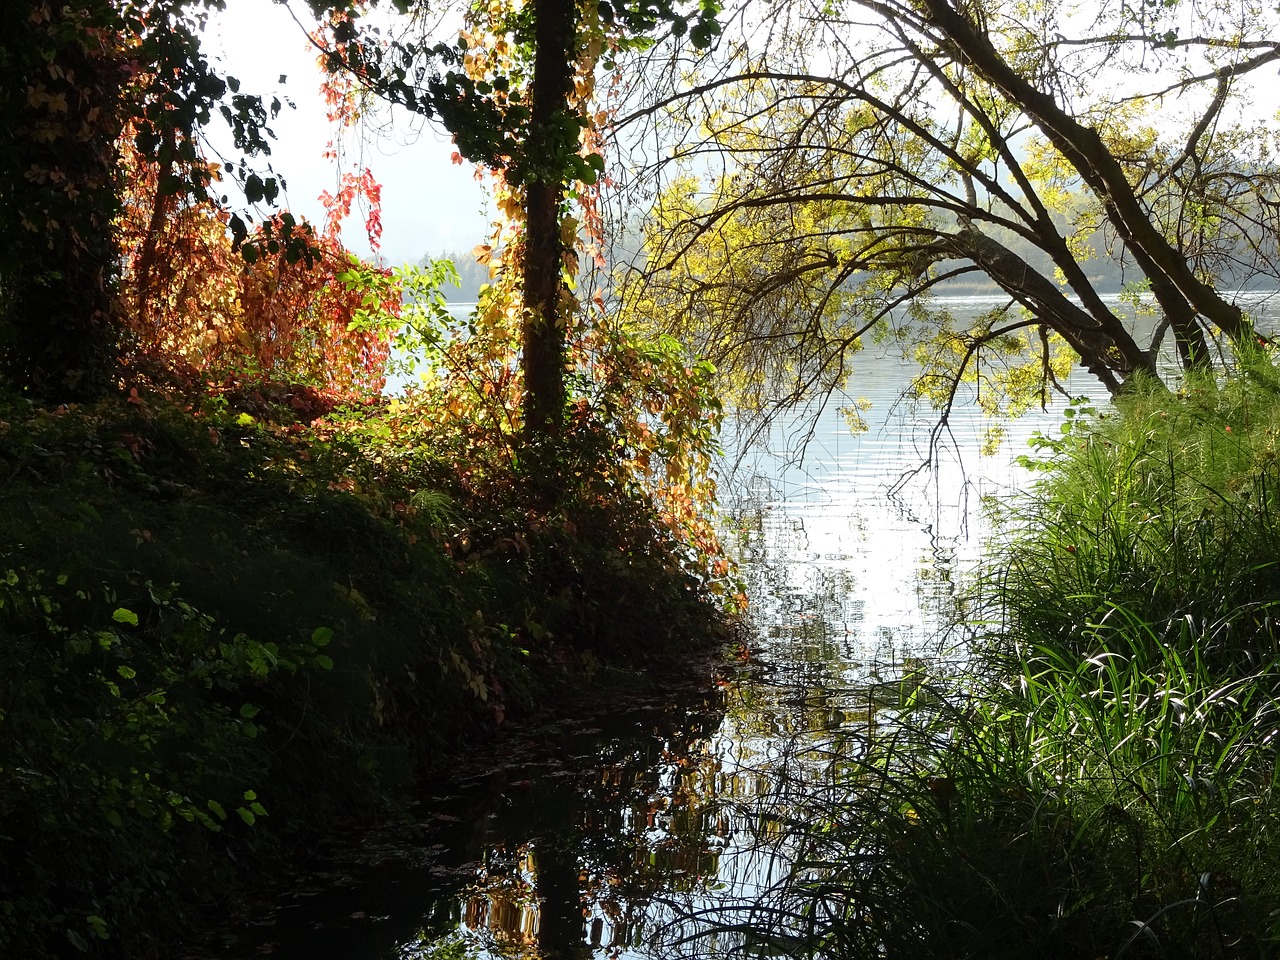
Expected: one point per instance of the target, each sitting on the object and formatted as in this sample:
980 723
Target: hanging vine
541 369
191 300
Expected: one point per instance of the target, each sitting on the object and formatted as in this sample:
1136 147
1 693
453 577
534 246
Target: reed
1102 782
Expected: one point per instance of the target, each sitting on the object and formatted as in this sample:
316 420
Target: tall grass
1103 783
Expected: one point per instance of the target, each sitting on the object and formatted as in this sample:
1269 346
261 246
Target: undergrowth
223 630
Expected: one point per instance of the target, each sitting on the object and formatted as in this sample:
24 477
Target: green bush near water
1102 782
223 635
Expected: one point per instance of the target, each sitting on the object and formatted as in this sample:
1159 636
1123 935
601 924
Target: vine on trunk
596 381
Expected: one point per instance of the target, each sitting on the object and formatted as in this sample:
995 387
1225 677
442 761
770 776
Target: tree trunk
552 126
59 324
1105 349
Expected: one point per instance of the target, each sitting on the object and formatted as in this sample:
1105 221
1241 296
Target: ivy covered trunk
60 77
553 136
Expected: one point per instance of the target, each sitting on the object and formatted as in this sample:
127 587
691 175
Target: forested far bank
472 275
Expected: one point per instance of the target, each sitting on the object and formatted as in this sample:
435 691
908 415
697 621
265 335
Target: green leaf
324 661
249 711
98 926
125 616
218 810
321 636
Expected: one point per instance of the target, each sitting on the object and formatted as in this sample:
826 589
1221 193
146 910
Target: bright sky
429 205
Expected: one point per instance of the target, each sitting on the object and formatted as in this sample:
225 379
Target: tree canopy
827 168
515 88
79 84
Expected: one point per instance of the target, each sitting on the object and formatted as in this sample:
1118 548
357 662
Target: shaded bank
223 632
564 836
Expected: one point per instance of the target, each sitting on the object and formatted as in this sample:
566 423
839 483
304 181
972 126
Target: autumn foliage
268 311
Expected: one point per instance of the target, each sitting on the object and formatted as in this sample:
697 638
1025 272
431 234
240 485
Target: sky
429 205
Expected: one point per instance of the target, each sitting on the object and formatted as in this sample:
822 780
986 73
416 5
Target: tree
63 71
504 91
515 91
73 79
813 207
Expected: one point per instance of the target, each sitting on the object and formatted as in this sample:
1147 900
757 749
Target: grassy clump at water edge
1102 782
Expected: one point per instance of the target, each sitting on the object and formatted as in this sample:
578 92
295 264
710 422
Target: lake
632 834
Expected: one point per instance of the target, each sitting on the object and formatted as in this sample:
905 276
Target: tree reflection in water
577 846
653 841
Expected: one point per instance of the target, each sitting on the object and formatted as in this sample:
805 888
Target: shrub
128 739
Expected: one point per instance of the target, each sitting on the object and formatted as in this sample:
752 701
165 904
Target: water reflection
570 867
555 849
626 838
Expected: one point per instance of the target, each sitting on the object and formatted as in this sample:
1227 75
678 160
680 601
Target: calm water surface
624 837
